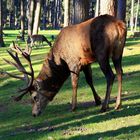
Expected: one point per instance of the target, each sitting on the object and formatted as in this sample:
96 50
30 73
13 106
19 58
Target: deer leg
105 67
42 44
118 68
88 75
74 80
32 43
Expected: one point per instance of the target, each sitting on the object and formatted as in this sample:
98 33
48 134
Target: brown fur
40 39
76 47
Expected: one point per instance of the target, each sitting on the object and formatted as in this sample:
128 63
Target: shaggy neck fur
52 75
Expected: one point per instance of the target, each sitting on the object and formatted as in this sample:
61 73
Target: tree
44 15
22 18
56 13
16 11
81 10
55 19
37 17
97 8
66 12
11 9
1 25
132 16
108 7
31 8
136 17
121 9
5 12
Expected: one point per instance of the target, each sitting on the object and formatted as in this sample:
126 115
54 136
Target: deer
38 38
76 47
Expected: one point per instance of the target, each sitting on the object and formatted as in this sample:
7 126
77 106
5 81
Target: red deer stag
75 48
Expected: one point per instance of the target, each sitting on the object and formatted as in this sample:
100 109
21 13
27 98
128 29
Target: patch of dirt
29 129
74 130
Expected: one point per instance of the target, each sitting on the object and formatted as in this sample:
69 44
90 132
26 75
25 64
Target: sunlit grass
86 122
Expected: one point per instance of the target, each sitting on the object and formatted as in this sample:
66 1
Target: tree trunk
22 18
121 9
44 15
132 16
136 18
66 12
16 17
97 8
1 25
60 21
55 24
48 12
37 17
4 4
52 12
108 7
16 14
71 11
81 10
12 20
31 9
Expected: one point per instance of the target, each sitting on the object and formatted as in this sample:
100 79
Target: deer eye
35 98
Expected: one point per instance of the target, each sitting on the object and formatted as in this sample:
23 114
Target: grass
57 122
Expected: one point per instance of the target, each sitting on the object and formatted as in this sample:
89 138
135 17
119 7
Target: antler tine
14 76
19 66
16 49
26 55
11 63
18 98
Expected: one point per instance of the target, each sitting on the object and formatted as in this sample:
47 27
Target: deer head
39 100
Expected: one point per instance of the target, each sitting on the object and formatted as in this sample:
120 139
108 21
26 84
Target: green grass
57 122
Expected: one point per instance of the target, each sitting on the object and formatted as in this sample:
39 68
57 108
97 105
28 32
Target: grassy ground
57 122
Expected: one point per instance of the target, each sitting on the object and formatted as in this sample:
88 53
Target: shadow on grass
61 120
132 41
94 116
131 60
84 115
109 134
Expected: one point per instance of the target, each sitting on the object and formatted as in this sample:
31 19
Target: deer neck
52 75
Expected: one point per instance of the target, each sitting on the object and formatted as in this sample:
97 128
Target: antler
26 55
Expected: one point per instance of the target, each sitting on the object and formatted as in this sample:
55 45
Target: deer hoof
104 109
117 107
